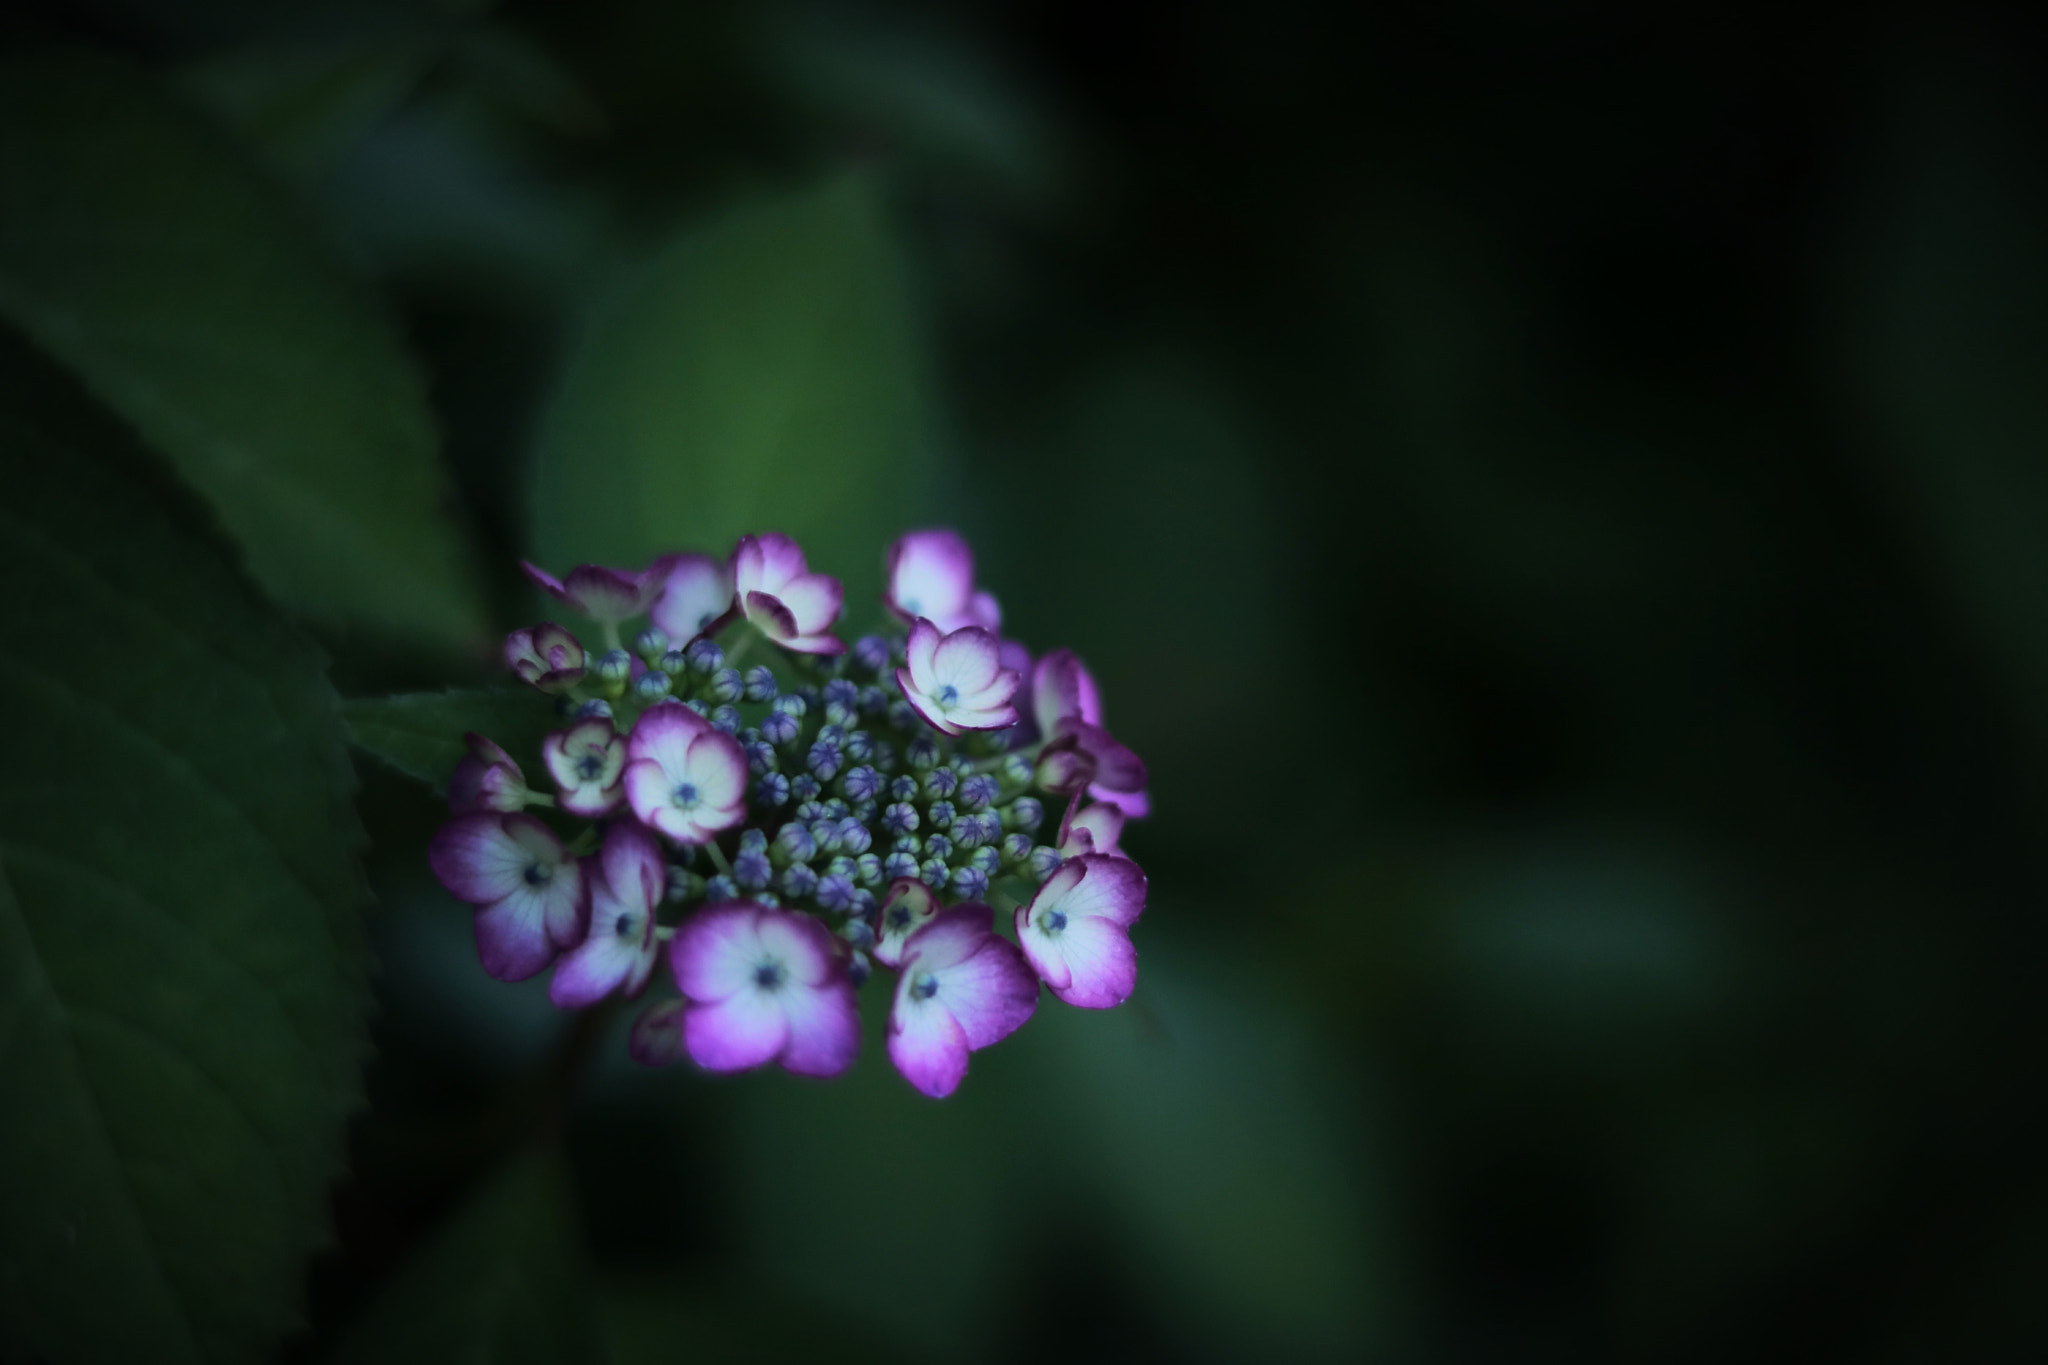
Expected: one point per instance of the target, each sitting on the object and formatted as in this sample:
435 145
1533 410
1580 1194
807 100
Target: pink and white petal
715 952
803 946
643 966
744 1030
923 705
592 802
991 718
512 939
824 1026
984 611
595 969
1116 766
566 904
478 859
907 906
813 600
717 766
949 938
1042 950
992 994
926 1043
766 562
931 573
663 733
970 659
1110 888
919 648
1135 805
635 876
696 592
1101 962
656 1038
766 610
607 594
648 791
1095 828
814 644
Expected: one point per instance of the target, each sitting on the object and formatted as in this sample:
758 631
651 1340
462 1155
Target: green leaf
140 250
504 1280
762 373
182 969
420 733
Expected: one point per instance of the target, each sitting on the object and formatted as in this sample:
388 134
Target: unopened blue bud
760 683
841 866
900 864
760 755
771 790
793 843
1016 849
701 708
836 808
853 836
650 644
900 818
856 931
753 839
859 969
832 734
941 782
835 893
864 811
813 698
939 815
750 735
871 652
841 690
790 704
938 846
810 811
727 686
903 716
798 881
767 898
978 792
968 832
614 667
1025 814
804 787
934 872
838 713
861 784
867 870
873 701
780 729
1016 771
863 903
725 720
859 745
826 834
824 760
672 663
903 788
683 885
721 888
1044 861
969 883
752 870
596 708
987 859
652 685
705 657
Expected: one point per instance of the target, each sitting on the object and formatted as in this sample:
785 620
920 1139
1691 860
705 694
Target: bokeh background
1559 496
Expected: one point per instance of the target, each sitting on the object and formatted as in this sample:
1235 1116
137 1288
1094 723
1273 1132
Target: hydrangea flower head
790 827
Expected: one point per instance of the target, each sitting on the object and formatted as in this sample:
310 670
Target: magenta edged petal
983 610
824 1028
1116 766
593 970
647 791
512 940
662 730
657 1035
970 659
813 601
1135 805
546 582
907 906
713 952
981 979
1042 953
926 1044
922 644
1110 888
1102 963
609 594
801 943
745 1030
634 871
931 573
766 561
767 611
696 594
814 644
477 859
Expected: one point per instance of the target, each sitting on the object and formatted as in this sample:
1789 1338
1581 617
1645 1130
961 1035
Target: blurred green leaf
504 1280
762 373
140 250
302 103
182 972
420 733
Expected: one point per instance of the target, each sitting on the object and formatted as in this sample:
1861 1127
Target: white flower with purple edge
931 574
779 594
957 680
683 777
961 988
587 761
764 985
605 595
627 882
487 778
1094 828
1067 705
1075 931
530 896
545 656
696 597
907 906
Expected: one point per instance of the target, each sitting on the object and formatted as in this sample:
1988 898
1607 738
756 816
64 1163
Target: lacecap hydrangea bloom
741 797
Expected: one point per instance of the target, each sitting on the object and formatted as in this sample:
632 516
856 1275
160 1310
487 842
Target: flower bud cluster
780 826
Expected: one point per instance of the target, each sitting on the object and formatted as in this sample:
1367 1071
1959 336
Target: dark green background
1559 497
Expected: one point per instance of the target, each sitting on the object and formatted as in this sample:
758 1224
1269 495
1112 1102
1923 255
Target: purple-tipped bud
968 832
859 969
824 760
760 755
900 818
1015 772
596 708
909 843
1016 849
859 745
760 684
900 864
704 657
922 753
941 782
657 1036
825 833
701 708
1025 815
780 729
903 716
771 790
853 836
804 787
871 653
754 839
841 690
683 885
810 812
836 808
978 792
841 866
672 663
987 859
861 784
545 656
939 815
969 883
726 686
864 903
798 881
857 930
835 893
652 685
867 870
1044 861
650 644
725 720
811 696
720 889
791 704
752 870
794 844
614 669
935 872
938 846
1064 769
837 713
903 788
873 701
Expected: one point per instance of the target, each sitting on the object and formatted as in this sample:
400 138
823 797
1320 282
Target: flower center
537 874
923 986
1053 921
947 696
685 795
624 928
899 916
768 976
589 766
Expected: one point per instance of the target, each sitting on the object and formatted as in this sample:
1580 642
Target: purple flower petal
814 601
486 856
683 777
907 906
957 682
766 610
1061 686
1074 931
512 939
743 1031
766 562
1116 766
485 779
764 985
657 1035
545 656
961 988
696 596
1094 828
927 1045
1136 805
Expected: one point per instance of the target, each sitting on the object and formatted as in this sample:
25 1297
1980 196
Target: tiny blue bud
725 685
834 893
938 846
790 704
899 864
826 835
863 903
842 866
838 713
861 784
750 735
1016 771
987 859
1044 861
760 755
1016 849
793 842
941 782
940 815
725 719
705 657
836 808
652 685
771 790
810 811
900 818
650 644
967 832
873 701
969 883
1024 814
871 652
752 870
854 836
867 870
780 728
804 787
596 708
903 788
721 888
798 881
904 716
832 734
856 931
699 707
978 792
614 667
767 898
753 839
811 696
935 872
858 969
683 885
859 745
672 663
760 683
843 691
863 811
824 760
